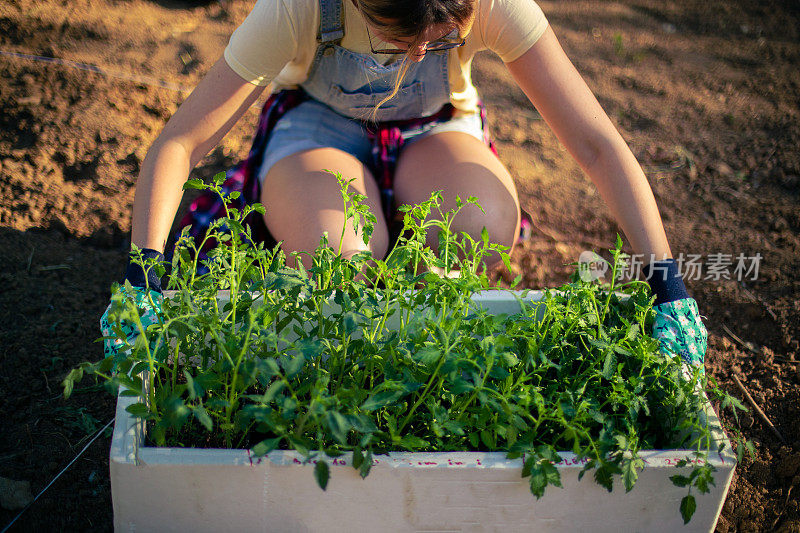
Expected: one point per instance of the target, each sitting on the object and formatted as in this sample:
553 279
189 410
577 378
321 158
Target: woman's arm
200 122
568 106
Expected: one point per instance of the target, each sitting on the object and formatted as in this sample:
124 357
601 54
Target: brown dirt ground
705 92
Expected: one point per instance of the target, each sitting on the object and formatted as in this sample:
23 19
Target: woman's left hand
681 331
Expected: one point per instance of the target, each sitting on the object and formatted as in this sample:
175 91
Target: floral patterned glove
149 306
678 327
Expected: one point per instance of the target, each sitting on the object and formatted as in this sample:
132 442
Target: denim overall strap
331 21
354 84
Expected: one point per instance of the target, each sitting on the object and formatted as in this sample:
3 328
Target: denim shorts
312 124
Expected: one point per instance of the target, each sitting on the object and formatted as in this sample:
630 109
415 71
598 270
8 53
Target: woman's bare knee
302 201
460 165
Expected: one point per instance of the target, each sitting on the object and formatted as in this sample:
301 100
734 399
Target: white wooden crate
198 490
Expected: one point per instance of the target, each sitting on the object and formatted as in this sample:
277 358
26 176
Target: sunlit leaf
265 446
688 507
322 473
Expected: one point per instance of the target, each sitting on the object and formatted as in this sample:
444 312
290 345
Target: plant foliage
367 355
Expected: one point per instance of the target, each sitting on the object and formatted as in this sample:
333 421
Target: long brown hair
409 18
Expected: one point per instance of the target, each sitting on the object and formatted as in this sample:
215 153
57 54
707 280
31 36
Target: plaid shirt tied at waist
387 140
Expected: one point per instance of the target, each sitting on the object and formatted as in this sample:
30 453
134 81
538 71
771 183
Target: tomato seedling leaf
322 473
688 507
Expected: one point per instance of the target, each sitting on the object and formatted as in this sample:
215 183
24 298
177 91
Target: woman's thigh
302 201
460 165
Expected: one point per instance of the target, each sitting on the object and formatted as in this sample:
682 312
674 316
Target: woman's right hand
149 308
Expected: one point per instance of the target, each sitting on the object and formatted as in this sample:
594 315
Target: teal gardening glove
677 325
679 328
149 306
148 302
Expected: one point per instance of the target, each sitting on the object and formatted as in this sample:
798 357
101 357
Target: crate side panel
195 498
270 497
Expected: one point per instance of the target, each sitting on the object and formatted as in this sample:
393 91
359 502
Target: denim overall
342 85
343 88
352 84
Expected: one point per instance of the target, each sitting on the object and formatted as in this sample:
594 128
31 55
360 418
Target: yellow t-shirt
277 41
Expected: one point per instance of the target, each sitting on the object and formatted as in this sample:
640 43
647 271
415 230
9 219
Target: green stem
342 370
244 435
344 226
298 432
421 397
615 256
175 365
475 391
230 396
151 393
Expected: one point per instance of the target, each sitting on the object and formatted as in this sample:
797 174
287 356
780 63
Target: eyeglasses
433 46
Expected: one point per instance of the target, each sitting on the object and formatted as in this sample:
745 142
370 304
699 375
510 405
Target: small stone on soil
14 494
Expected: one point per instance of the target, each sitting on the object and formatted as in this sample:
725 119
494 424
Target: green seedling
369 355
